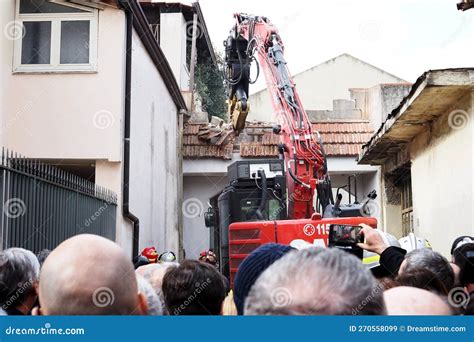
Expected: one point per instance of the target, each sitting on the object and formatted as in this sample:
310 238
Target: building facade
425 150
85 86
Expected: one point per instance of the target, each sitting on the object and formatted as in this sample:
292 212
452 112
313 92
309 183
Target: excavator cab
256 192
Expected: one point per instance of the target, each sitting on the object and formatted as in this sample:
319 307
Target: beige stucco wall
442 179
66 116
320 85
154 176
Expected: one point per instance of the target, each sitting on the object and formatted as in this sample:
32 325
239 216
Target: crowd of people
91 275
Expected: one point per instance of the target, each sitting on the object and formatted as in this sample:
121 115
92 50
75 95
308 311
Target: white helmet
412 242
371 259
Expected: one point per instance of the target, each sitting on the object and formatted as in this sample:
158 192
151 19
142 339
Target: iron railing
42 205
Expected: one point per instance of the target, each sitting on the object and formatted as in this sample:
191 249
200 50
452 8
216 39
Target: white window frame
56 18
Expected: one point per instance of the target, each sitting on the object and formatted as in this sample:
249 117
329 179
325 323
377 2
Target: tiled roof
195 148
343 138
340 138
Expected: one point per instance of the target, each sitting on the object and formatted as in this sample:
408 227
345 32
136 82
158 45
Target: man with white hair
19 274
316 281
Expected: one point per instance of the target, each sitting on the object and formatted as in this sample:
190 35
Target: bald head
405 300
88 275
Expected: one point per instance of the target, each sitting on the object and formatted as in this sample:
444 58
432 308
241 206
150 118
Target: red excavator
288 200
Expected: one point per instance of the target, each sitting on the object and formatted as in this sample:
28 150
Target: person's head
316 281
42 255
252 267
194 288
430 260
463 257
89 275
154 274
422 279
405 300
152 299
19 274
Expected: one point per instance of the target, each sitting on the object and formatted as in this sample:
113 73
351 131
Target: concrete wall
154 173
40 110
197 192
320 85
173 35
442 179
378 101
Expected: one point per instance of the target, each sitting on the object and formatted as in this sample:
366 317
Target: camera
346 237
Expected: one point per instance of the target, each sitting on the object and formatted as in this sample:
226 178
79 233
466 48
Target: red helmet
209 257
151 254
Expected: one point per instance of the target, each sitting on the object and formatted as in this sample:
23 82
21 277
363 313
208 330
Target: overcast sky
403 37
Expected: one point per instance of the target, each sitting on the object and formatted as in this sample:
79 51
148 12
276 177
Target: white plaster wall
198 190
173 37
442 183
74 115
154 159
320 85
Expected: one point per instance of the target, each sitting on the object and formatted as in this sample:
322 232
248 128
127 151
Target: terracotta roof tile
257 140
250 149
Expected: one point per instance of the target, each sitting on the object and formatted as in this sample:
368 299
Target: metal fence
42 205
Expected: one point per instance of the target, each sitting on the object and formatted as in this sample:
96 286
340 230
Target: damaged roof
340 138
432 95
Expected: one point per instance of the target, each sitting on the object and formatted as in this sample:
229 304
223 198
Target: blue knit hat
252 267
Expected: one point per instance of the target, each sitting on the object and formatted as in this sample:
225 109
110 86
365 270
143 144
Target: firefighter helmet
167 257
412 242
151 254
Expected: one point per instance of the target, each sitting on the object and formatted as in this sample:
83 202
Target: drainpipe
126 138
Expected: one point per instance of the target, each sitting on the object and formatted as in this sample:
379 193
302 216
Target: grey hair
154 304
155 277
425 258
19 271
316 281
